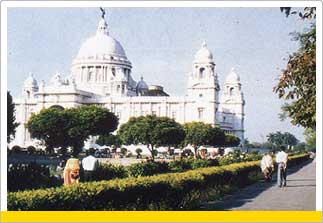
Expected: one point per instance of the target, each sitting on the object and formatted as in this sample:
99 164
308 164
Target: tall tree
70 127
297 83
151 131
282 139
11 118
197 134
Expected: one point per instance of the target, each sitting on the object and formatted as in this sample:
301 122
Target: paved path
298 195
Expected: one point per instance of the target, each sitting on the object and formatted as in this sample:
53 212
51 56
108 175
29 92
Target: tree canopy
282 139
297 83
151 131
70 127
11 118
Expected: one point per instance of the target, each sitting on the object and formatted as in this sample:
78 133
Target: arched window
118 88
28 94
202 72
231 91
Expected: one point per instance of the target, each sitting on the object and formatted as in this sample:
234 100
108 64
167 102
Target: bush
147 169
29 176
180 165
110 171
172 191
237 156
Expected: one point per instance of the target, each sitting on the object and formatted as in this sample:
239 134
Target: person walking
281 160
90 164
267 166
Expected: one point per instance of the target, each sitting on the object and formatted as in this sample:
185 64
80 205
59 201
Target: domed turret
31 81
30 87
100 61
203 55
232 77
141 87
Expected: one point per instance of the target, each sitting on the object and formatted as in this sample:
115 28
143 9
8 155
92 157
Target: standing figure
90 164
267 166
281 160
72 172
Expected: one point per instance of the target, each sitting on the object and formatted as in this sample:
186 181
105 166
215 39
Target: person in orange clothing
72 172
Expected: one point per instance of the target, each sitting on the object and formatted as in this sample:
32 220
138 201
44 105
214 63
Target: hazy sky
161 43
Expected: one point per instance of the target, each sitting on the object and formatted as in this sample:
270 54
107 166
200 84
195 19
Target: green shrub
180 165
200 163
29 176
110 171
172 191
147 169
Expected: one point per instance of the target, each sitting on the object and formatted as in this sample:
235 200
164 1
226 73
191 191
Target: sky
161 43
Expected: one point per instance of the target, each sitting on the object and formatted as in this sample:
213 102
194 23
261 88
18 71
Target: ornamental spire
103 26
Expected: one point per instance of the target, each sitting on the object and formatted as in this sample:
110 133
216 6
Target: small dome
203 54
142 85
232 77
31 81
101 44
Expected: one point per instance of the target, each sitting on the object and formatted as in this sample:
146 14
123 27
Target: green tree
297 83
310 139
70 127
11 118
231 140
199 133
50 126
109 140
282 139
151 131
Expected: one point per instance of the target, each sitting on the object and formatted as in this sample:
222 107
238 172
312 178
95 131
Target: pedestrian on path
281 160
267 166
90 164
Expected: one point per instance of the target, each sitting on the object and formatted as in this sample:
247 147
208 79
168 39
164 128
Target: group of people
71 171
267 166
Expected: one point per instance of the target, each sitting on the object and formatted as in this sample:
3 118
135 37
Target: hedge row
172 191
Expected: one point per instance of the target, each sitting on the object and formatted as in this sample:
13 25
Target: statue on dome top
103 12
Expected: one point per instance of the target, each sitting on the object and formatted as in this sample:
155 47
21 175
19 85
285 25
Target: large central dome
101 45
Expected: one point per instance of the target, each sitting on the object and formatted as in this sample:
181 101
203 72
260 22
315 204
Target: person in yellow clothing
72 172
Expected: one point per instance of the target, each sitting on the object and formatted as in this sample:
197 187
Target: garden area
182 184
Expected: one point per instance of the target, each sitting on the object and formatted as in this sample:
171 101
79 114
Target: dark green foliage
147 169
29 176
282 139
297 83
70 127
180 165
11 118
109 171
172 191
231 140
151 131
109 140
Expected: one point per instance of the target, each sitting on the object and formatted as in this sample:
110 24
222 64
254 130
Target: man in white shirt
281 160
90 164
267 166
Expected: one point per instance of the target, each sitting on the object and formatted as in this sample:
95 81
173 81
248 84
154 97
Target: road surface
298 195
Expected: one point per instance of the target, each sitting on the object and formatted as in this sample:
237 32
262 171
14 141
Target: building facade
101 75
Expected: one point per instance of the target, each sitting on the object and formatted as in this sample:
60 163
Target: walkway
298 195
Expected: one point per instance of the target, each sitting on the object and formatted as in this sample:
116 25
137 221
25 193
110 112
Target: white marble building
101 75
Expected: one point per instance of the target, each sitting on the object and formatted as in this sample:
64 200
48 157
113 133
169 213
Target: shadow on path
248 193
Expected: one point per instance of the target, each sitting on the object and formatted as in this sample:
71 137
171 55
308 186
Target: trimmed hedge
172 191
